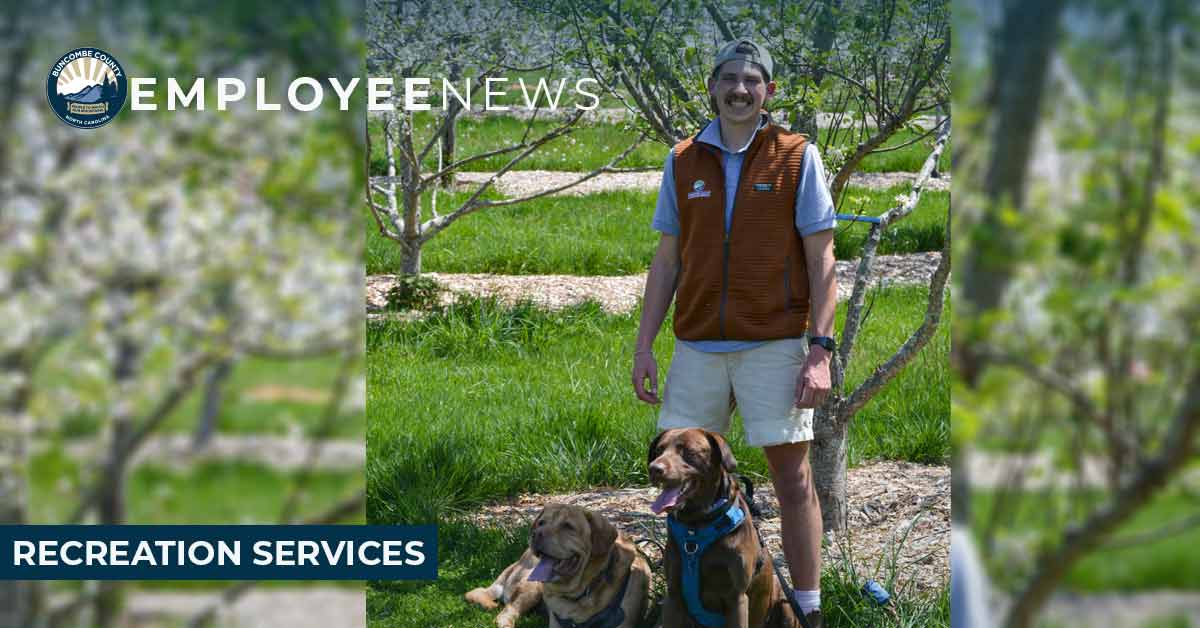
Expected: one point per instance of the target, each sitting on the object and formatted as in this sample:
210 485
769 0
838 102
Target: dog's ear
604 534
536 518
654 447
722 454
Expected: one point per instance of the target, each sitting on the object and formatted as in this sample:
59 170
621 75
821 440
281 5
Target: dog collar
692 543
611 617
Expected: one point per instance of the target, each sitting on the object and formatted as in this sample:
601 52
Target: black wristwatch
825 342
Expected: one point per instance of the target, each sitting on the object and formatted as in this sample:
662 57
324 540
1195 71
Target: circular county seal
87 88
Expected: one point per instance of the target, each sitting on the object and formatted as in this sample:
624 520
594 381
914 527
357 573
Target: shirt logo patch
698 190
763 187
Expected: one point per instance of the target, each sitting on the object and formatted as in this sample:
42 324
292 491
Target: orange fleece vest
751 284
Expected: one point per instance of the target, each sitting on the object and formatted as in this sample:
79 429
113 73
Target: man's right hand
645 368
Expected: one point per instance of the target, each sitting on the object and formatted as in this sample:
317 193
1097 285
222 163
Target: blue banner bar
218 552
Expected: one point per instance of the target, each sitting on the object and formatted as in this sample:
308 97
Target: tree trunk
450 131
19 600
411 264
214 386
1020 62
828 460
805 119
111 509
110 598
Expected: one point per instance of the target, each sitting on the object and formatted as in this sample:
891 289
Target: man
746 252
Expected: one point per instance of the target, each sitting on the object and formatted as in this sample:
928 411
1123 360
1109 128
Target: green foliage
197 494
1031 520
414 292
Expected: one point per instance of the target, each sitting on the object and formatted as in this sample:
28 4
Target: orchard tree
1080 275
134 263
467 44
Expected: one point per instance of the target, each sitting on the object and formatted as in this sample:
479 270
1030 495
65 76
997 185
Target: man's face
739 91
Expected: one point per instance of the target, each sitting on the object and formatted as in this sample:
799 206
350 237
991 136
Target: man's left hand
813 382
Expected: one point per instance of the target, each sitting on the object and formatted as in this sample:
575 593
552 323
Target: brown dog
737 578
580 566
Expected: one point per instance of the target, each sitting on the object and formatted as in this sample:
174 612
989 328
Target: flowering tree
136 256
1079 279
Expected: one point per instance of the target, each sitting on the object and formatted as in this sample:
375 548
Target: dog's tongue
665 500
543 570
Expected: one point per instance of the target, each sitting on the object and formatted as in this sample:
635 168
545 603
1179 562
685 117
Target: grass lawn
609 233
922 230
261 396
484 402
1167 562
907 159
592 145
596 143
200 494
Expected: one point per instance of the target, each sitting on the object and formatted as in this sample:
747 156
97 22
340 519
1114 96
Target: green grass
468 557
244 408
592 145
922 230
504 400
595 143
907 159
609 233
200 494
1167 562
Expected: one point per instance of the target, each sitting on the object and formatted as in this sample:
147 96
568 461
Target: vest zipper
724 284
787 283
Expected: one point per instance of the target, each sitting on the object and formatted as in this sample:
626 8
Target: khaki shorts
701 389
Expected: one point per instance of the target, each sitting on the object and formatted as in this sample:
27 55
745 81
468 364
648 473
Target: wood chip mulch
620 294
523 182
899 516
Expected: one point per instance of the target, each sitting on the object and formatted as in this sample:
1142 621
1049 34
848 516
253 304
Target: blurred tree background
1076 407
179 290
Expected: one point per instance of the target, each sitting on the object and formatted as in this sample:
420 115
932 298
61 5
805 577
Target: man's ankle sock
808 601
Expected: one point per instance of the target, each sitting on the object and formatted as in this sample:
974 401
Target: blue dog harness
692 543
611 617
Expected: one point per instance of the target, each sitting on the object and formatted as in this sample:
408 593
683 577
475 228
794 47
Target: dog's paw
482 597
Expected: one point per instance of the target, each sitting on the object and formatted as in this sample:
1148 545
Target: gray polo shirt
814 205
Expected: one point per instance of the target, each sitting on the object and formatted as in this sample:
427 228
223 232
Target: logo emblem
698 190
87 88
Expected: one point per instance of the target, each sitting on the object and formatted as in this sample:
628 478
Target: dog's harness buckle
694 542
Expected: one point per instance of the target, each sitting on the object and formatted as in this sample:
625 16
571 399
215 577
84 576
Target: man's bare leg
800 512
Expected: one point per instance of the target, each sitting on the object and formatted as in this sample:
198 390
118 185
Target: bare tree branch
432 227
1150 477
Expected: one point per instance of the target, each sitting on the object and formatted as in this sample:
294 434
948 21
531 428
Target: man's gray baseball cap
745 50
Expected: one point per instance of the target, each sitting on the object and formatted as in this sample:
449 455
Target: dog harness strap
692 543
611 617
